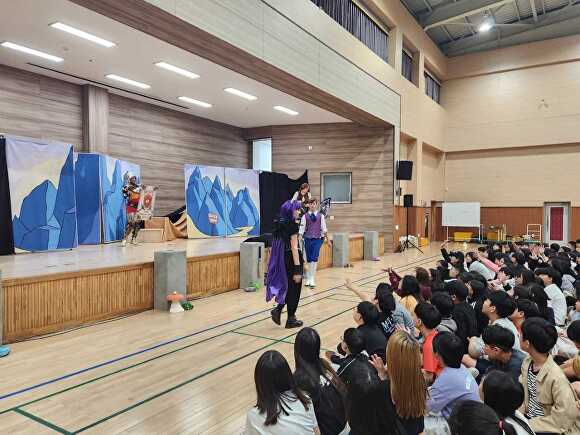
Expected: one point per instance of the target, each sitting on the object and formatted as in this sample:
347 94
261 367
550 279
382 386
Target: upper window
357 22
432 88
407 66
337 186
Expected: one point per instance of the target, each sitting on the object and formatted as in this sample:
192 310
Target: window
432 88
262 154
337 186
358 23
407 66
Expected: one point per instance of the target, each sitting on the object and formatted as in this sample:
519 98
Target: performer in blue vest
313 231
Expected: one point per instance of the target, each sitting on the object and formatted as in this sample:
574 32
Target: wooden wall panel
516 219
45 304
40 107
356 248
163 140
366 152
213 274
95 119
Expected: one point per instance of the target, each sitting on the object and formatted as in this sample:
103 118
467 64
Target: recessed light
194 101
82 34
240 94
485 27
177 70
27 50
286 110
128 81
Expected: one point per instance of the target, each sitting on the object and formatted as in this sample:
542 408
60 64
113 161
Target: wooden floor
160 373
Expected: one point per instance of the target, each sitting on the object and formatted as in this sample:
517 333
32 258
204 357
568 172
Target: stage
52 291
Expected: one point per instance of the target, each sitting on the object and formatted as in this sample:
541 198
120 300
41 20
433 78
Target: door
556 222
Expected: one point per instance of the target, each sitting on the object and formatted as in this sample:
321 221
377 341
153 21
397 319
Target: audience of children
496 317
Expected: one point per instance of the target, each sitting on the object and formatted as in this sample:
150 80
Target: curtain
407 66
358 23
6 235
275 188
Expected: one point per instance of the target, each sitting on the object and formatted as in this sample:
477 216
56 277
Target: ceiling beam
554 25
461 9
534 11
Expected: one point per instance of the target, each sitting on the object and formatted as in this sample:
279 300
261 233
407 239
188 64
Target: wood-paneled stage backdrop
49 303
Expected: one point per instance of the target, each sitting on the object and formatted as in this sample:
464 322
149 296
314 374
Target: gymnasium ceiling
454 25
27 23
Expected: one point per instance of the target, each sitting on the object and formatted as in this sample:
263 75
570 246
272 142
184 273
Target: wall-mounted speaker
407 200
404 169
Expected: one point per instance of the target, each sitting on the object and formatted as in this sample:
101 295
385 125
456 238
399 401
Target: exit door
556 222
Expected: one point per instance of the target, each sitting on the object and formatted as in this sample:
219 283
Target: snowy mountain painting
112 175
42 194
213 210
88 198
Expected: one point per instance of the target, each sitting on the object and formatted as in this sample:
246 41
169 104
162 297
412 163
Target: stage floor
156 372
88 257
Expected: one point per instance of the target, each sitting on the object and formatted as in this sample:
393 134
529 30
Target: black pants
294 288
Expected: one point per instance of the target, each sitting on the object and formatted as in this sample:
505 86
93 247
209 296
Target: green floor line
201 375
341 300
271 339
42 422
18 409
90 381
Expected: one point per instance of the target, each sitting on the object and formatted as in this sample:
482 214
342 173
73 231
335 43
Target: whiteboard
461 214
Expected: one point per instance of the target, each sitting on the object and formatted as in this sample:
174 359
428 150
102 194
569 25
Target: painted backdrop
42 194
221 201
243 201
88 198
112 175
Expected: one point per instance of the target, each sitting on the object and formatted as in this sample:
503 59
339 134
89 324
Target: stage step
150 235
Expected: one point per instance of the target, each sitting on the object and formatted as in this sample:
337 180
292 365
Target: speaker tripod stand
408 244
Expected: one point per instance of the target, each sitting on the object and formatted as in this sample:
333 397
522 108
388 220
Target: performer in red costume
132 193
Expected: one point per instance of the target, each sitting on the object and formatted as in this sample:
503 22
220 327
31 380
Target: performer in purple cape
284 280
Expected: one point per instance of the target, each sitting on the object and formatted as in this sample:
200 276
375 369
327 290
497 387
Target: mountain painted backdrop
42 192
213 210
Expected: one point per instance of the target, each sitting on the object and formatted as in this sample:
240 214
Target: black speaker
408 201
404 169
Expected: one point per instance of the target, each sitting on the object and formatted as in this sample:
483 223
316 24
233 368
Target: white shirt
558 303
302 229
519 429
506 323
298 421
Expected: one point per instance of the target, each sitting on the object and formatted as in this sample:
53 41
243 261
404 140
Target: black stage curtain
6 237
275 188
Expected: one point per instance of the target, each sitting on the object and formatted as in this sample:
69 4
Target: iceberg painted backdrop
217 207
243 207
112 176
42 194
88 198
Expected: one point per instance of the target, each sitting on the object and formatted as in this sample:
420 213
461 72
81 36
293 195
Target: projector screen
461 214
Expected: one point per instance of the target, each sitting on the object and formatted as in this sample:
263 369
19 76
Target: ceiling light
240 94
84 35
177 70
194 101
286 110
487 23
485 27
27 50
128 81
